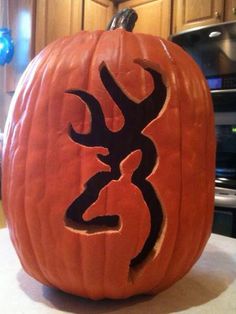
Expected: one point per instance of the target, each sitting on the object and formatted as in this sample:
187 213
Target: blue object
6 46
215 83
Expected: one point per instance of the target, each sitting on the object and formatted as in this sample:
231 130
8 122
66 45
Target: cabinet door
56 18
195 13
97 14
230 10
153 16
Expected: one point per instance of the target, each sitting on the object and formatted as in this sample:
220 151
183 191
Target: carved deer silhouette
120 144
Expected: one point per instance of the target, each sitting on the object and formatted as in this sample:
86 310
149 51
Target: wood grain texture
154 16
195 13
97 14
55 19
230 10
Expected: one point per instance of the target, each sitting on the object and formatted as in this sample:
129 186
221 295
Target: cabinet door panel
153 16
195 13
56 18
230 10
97 14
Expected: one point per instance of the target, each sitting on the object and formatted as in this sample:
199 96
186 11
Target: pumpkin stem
125 19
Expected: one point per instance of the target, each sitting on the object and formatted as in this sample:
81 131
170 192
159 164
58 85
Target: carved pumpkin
108 164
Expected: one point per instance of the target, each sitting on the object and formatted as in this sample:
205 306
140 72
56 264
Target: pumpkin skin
44 170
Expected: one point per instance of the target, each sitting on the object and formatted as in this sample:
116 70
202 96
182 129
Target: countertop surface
210 287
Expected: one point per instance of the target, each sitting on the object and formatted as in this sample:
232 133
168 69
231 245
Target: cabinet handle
234 11
217 14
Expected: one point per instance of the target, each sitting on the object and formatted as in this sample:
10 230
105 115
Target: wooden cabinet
54 19
195 13
57 18
97 14
154 16
230 10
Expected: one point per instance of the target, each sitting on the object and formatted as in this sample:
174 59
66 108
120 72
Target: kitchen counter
210 287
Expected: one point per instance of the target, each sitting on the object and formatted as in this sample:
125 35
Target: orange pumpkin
108 164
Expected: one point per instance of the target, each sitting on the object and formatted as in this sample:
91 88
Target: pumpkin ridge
46 165
38 86
49 118
188 261
181 104
203 237
164 44
46 69
26 165
8 147
202 229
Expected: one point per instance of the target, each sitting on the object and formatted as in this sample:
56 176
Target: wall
17 15
5 99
